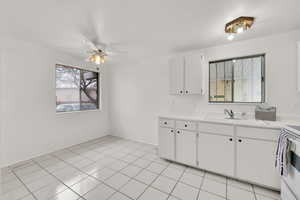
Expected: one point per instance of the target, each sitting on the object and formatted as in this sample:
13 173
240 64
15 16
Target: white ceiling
142 26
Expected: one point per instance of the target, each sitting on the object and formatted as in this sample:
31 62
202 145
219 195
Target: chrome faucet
230 113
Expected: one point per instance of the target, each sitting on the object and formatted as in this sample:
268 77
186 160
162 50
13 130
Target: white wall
31 126
139 90
1 105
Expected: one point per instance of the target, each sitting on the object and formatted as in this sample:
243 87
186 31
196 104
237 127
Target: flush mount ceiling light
238 25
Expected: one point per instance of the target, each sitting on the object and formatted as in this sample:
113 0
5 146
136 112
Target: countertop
220 118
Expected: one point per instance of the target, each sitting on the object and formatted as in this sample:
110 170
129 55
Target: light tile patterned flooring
117 169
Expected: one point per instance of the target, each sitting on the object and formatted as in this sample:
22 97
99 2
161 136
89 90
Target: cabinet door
176 66
166 146
216 153
186 147
193 74
255 162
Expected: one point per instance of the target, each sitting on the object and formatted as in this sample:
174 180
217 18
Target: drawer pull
172 131
178 132
185 125
166 123
240 140
230 139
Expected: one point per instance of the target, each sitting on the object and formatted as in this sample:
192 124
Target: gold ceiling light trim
239 25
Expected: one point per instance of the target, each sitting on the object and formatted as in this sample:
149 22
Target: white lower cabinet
186 147
166 143
256 162
216 153
242 152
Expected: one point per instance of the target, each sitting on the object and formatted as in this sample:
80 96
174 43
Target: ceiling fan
98 51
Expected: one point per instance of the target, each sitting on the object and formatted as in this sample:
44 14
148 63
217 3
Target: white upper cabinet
186 74
193 74
176 71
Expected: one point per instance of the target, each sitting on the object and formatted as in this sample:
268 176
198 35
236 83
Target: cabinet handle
172 131
230 139
181 91
178 132
185 125
186 91
240 140
165 122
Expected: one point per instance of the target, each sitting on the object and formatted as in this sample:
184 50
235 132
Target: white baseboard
129 138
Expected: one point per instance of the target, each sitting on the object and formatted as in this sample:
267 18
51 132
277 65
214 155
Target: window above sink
237 80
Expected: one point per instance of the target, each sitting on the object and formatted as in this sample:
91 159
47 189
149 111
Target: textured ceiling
141 27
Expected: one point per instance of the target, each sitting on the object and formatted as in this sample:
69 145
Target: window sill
77 111
237 103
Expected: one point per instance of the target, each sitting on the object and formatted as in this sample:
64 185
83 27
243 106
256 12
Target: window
237 80
76 89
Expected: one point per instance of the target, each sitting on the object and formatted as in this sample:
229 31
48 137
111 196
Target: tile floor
117 169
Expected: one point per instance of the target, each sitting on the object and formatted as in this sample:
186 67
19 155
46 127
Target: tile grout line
177 182
202 182
132 178
212 193
12 170
144 168
149 185
226 194
118 171
111 149
59 181
253 192
48 174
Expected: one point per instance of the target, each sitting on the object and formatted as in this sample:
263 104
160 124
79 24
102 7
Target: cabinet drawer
258 133
216 128
166 122
187 125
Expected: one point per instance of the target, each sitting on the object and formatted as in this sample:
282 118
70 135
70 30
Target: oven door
293 178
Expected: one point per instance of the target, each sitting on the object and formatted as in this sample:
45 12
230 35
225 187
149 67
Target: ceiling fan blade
90 33
115 48
90 45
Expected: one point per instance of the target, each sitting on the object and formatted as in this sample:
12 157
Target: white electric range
290 185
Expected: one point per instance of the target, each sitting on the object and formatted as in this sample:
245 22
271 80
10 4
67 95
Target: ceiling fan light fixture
102 59
97 59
